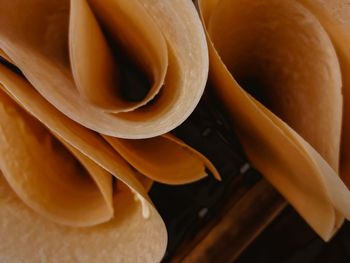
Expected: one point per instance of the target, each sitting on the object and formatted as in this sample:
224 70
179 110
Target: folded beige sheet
81 45
72 187
99 74
281 69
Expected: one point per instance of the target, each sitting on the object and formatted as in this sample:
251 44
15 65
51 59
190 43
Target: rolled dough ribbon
164 159
64 172
281 70
73 53
67 192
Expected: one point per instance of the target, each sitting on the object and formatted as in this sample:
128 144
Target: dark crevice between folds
10 66
135 84
255 87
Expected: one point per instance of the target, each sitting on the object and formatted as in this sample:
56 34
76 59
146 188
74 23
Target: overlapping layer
281 70
73 53
94 70
64 173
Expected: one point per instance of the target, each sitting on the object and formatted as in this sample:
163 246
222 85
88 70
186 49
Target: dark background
290 240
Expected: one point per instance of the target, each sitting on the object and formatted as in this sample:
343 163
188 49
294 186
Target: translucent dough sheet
280 69
79 82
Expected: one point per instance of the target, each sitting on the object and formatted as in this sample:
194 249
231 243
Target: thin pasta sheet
281 70
88 93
